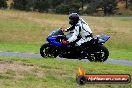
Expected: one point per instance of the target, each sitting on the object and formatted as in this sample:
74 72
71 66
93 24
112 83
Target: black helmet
73 18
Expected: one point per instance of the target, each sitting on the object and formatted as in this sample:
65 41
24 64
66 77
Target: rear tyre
99 53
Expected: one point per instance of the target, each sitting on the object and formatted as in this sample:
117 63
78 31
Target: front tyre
99 53
44 50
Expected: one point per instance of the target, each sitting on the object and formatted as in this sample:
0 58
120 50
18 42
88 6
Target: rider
80 29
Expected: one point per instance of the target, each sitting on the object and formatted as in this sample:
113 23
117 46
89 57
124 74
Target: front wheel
44 50
99 53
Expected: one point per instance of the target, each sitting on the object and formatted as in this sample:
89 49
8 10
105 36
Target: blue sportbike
93 50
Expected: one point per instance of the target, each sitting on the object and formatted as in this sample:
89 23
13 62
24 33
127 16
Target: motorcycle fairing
102 38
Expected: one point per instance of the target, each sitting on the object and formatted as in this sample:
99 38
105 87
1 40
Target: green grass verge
16 72
19 47
121 54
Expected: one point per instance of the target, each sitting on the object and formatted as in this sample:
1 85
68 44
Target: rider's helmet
73 18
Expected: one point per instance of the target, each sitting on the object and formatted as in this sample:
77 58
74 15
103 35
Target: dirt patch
20 69
14 66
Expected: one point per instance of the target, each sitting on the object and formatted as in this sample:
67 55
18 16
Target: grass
19 47
117 54
16 72
26 31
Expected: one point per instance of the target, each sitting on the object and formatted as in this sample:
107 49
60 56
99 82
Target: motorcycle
93 50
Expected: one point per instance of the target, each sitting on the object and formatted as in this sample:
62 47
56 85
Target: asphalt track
111 61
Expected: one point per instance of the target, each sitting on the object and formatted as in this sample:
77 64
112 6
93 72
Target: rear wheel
99 53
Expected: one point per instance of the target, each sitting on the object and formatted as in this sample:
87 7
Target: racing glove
65 42
63 30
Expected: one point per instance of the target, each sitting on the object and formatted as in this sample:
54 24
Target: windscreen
56 32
